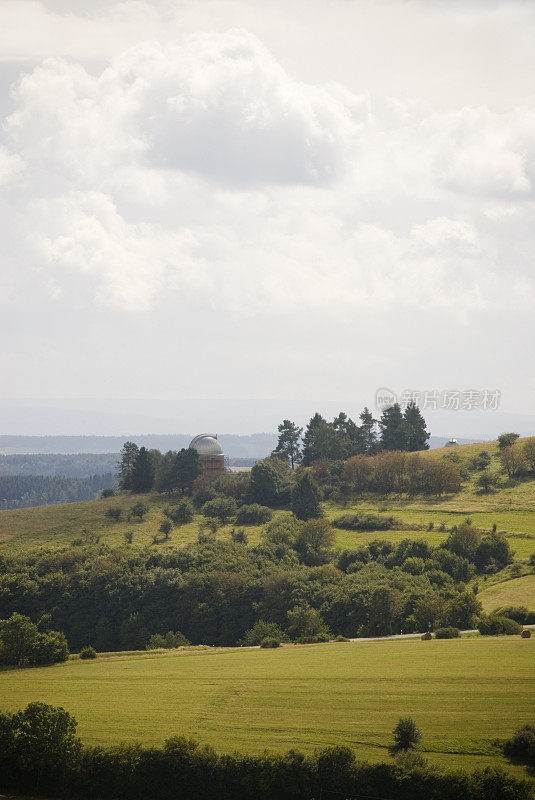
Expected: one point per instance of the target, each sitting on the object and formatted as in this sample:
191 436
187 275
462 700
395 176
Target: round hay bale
526 634
427 636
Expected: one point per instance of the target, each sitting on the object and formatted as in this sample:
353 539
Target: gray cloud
175 163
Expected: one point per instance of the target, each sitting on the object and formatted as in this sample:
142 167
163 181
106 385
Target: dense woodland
74 465
215 592
21 491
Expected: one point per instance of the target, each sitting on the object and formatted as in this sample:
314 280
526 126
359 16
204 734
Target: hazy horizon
128 417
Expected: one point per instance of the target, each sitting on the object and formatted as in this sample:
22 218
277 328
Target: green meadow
463 694
56 527
515 592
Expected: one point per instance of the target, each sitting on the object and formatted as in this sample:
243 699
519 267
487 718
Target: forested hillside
20 491
70 465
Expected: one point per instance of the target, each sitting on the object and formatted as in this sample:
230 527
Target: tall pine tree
310 451
143 472
367 432
415 428
126 464
393 435
288 444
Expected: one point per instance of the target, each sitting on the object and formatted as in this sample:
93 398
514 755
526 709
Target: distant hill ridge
255 445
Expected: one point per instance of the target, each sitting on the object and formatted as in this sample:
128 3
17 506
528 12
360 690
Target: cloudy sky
294 202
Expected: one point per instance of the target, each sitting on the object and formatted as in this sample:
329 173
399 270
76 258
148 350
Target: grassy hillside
515 592
511 507
462 694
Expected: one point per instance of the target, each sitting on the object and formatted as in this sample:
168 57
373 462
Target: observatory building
210 454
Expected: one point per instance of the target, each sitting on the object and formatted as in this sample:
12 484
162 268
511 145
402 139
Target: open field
515 592
462 694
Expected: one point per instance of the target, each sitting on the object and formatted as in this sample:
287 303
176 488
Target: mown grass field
462 694
515 592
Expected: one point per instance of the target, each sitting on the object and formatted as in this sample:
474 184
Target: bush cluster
447 633
522 745
88 652
23 645
253 514
270 642
498 625
366 522
171 640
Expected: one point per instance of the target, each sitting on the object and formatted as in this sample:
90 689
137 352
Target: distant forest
78 465
20 491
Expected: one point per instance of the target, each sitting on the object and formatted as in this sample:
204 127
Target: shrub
413 565
447 633
220 508
171 640
180 514
518 613
270 642
409 760
304 621
263 630
507 439
107 493
318 638
114 513
166 528
139 510
366 522
526 634
481 461
254 514
498 625
406 735
239 536
522 744
88 652
427 636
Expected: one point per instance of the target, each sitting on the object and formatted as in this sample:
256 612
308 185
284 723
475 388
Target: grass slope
511 508
515 592
462 694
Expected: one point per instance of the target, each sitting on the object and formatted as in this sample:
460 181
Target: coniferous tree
393 436
367 432
143 472
306 496
415 430
187 468
129 454
346 436
288 444
309 445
